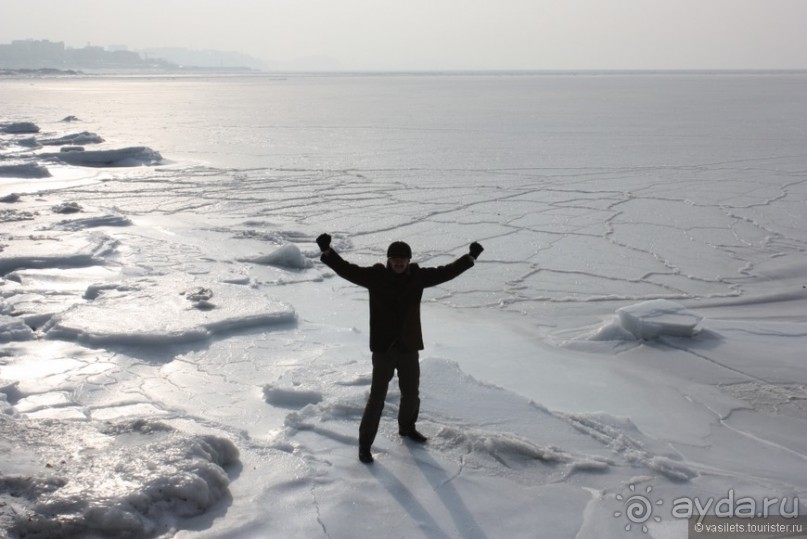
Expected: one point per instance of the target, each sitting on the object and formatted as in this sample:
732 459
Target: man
395 333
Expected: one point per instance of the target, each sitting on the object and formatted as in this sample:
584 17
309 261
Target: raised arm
441 274
358 275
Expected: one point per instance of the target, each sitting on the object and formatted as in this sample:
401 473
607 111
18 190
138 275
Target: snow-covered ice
130 478
176 362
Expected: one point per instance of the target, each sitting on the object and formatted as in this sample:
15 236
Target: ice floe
123 157
57 250
24 170
73 139
17 128
156 311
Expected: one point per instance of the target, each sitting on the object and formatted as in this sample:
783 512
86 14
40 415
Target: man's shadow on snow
408 501
441 482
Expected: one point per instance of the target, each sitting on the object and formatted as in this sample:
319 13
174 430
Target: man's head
398 256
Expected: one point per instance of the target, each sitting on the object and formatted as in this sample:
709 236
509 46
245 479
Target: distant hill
43 54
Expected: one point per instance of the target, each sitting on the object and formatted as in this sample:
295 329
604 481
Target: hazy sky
440 34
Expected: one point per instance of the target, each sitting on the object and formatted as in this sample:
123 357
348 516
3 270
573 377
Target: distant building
33 54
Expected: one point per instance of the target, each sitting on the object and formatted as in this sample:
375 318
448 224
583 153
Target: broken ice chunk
288 256
650 319
200 297
67 207
14 329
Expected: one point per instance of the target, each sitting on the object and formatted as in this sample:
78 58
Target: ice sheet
176 362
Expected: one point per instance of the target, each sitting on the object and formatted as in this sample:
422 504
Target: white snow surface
175 361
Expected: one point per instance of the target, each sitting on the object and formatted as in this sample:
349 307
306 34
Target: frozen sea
628 351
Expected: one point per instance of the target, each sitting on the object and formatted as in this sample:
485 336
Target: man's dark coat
395 299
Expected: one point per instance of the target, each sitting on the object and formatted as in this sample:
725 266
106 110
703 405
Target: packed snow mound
651 319
123 157
162 311
288 256
24 170
135 478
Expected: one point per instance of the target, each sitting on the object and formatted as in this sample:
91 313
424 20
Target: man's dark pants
384 366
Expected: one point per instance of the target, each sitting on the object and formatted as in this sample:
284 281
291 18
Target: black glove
324 242
476 250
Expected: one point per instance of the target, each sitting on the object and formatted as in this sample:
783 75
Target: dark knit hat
399 249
